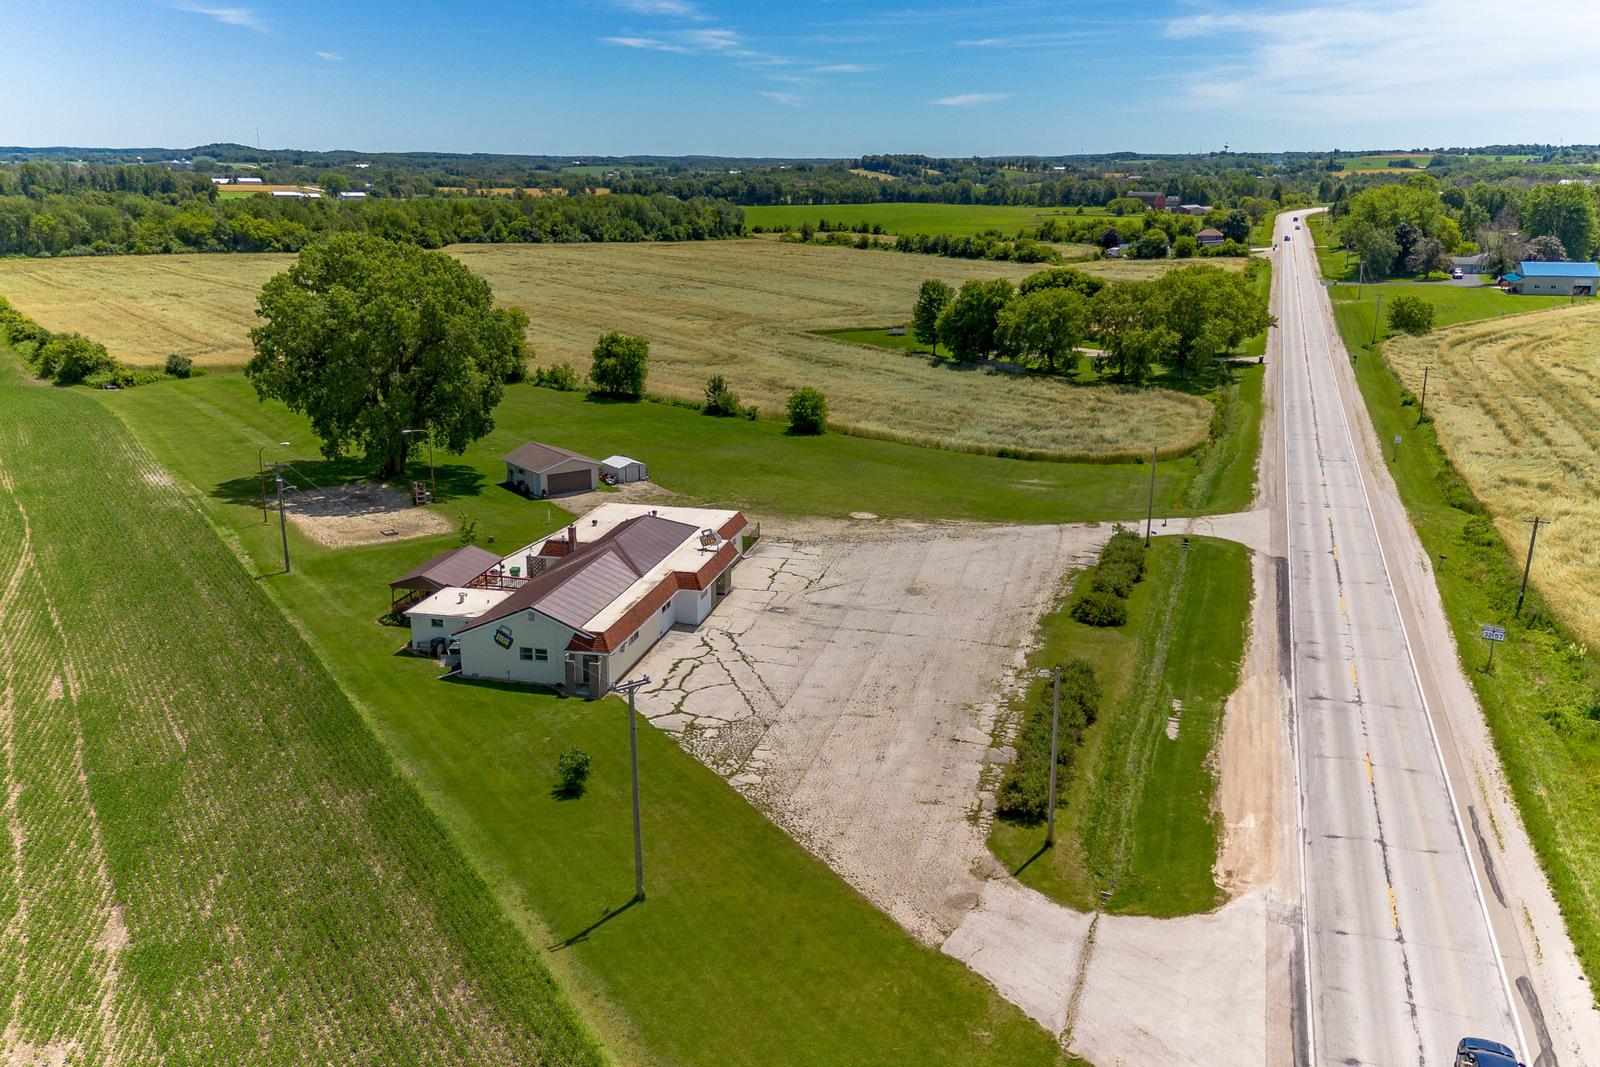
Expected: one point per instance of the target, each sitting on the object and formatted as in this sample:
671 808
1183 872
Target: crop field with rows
742 309
206 857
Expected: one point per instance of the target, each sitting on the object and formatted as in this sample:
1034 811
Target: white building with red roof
603 593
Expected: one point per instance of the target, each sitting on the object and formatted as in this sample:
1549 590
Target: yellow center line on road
1353 672
1342 609
1393 912
1368 757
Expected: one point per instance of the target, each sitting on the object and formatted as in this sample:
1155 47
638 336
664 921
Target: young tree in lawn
1046 325
1412 314
808 411
367 337
719 401
619 365
967 325
1208 310
932 298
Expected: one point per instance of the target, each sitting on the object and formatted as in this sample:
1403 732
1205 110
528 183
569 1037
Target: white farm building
624 469
577 611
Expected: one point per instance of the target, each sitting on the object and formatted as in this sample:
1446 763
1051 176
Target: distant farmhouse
578 611
1210 237
1559 278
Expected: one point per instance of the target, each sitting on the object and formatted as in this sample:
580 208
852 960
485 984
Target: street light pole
261 470
283 526
433 490
1537 522
1150 514
633 744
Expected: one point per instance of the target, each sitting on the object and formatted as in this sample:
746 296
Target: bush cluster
1120 567
722 403
71 359
1025 788
561 376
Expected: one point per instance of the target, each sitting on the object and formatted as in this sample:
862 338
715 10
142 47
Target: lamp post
633 745
283 526
433 490
261 470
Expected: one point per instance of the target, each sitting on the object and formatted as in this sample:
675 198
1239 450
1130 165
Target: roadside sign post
1396 448
1055 737
633 745
1494 635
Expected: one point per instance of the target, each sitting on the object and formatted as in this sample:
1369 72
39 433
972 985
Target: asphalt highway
1400 960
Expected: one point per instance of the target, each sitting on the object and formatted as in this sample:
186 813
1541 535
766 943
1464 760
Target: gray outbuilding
545 470
624 469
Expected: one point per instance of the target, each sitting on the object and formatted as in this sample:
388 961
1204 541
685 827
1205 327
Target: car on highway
1288 237
1481 1052
1297 226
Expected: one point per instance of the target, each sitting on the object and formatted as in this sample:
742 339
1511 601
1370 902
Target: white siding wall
482 658
423 631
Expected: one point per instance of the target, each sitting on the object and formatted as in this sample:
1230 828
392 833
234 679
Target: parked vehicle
1456 274
1481 1052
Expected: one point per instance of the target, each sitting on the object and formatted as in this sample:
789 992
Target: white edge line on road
1294 689
1438 750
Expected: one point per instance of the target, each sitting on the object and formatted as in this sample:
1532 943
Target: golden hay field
742 309
1517 407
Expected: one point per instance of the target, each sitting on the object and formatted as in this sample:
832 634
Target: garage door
569 482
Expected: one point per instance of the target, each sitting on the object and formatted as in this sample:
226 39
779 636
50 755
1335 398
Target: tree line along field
747 950
207 857
742 309
961 220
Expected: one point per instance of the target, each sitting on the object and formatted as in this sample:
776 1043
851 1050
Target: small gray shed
624 469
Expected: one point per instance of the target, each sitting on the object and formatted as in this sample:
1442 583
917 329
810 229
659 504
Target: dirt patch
627 493
360 514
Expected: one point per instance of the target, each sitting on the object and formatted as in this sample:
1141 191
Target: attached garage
545 470
624 469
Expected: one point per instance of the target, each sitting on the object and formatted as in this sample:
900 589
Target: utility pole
261 470
1055 737
1377 318
633 744
283 526
1422 408
1150 514
1537 522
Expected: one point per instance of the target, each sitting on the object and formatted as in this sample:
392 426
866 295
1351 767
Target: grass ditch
747 950
1134 819
1541 701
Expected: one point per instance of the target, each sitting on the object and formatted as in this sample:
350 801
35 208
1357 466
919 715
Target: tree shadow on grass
453 481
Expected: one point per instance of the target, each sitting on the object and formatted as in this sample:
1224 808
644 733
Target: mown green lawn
747 949
1135 817
1451 303
752 465
956 219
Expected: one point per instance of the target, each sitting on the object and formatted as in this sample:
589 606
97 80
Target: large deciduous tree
1127 321
932 298
1208 310
1565 212
1046 326
619 365
366 338
967 326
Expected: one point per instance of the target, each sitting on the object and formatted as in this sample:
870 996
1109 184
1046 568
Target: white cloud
685 42
332 57
843 68
232 16
1348 61
971 99
787 99
986 42
671 8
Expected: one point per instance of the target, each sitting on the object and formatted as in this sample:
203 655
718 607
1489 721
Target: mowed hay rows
1517 407
743 309
145 308
208 857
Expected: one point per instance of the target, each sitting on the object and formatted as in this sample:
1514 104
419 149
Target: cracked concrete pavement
845 690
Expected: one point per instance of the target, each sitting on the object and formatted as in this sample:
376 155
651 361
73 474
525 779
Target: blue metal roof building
1557 278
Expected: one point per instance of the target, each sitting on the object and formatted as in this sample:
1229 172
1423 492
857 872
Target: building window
665 606
437 624
633 639
525 652
542 655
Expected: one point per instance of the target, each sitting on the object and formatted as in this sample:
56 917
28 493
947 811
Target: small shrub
1100 609
808 412
719 401
561 376
1480 533
572 771
179 366
69 359
1410 314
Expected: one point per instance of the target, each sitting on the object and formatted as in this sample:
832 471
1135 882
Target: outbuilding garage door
569 482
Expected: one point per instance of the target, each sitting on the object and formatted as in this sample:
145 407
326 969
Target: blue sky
819 78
